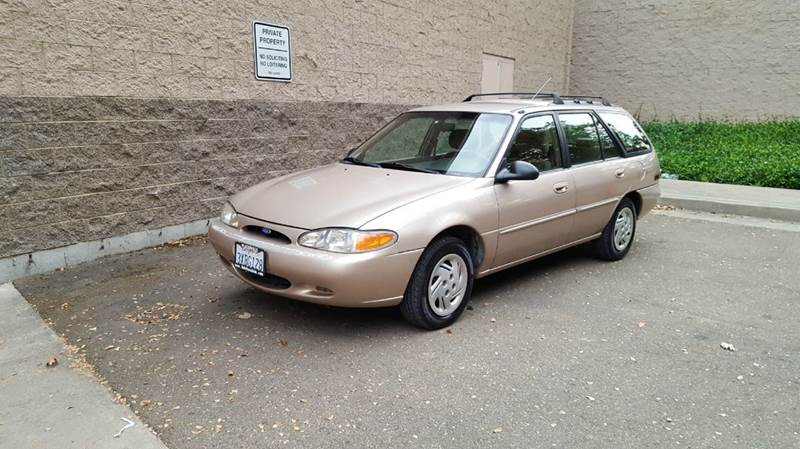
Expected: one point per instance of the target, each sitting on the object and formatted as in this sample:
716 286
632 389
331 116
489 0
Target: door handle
620 173
561 187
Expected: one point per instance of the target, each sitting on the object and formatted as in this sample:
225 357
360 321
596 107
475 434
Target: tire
443 310
608 246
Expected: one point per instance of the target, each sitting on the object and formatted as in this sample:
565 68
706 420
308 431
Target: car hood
338 195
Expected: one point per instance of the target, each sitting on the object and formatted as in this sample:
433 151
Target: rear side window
582 139
607 144
628 131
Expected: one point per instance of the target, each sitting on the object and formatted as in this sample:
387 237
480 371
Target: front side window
537 143
582 138
628 131
452 143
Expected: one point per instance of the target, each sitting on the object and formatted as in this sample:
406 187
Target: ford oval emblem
266 231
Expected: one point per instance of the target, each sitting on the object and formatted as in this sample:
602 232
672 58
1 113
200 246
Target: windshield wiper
391 165
354 161
399 166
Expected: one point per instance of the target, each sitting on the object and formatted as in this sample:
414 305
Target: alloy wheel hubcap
447 284
623 229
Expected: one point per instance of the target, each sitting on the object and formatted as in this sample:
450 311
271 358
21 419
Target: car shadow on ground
281 312
530 271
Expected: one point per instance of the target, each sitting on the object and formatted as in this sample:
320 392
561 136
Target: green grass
759 154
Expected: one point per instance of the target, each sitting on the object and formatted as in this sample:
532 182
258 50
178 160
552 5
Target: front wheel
618 234
440 286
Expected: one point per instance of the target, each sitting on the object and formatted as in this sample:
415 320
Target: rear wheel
617 237
440 286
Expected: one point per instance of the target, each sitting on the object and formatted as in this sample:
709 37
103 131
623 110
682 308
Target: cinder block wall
84 168
690 59
121 116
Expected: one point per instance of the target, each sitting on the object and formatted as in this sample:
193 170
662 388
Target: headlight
229 216
340 240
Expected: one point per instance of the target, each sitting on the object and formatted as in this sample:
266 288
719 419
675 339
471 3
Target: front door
535 216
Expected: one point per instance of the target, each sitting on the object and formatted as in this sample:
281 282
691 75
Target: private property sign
273 52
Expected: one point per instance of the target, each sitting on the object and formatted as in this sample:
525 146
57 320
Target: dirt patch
189 241
77 358
158 313
664 207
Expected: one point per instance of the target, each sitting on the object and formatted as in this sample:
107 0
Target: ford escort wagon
441 196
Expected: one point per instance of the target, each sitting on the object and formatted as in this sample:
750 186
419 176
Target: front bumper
373 279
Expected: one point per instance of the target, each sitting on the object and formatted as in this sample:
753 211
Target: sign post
273 52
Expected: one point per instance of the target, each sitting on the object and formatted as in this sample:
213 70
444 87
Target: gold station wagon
443 195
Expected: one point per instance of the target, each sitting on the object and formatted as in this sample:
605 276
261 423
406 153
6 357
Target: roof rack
587 98
555 97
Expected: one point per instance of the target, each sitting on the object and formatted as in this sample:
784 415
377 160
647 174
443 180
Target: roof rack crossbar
587 98
555 97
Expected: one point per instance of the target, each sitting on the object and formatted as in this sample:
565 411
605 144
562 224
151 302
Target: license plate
249 258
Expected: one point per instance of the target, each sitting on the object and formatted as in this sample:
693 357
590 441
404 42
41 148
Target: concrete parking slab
566 351
54 406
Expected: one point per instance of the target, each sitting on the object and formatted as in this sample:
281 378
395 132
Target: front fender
472 205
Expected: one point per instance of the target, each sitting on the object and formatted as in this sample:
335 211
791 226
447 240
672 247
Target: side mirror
517 171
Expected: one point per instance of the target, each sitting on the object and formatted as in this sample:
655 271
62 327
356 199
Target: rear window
628 131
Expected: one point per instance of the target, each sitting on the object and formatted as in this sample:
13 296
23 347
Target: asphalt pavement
691 341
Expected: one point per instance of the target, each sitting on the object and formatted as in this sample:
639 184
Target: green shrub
759 154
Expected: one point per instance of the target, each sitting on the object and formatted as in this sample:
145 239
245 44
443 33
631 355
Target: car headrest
529 140
457 138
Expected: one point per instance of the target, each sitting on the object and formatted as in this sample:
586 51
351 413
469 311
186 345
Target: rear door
601 175
535 216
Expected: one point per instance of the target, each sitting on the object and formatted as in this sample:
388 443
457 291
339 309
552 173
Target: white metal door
498 74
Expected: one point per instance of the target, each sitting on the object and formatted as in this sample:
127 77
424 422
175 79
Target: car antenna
541 88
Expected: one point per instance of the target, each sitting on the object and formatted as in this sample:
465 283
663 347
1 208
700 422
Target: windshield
452 143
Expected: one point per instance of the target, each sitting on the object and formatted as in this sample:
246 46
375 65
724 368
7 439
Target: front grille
269 233
268 280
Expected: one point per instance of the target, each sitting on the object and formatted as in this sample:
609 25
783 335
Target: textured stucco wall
690 59
120 116
367 51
